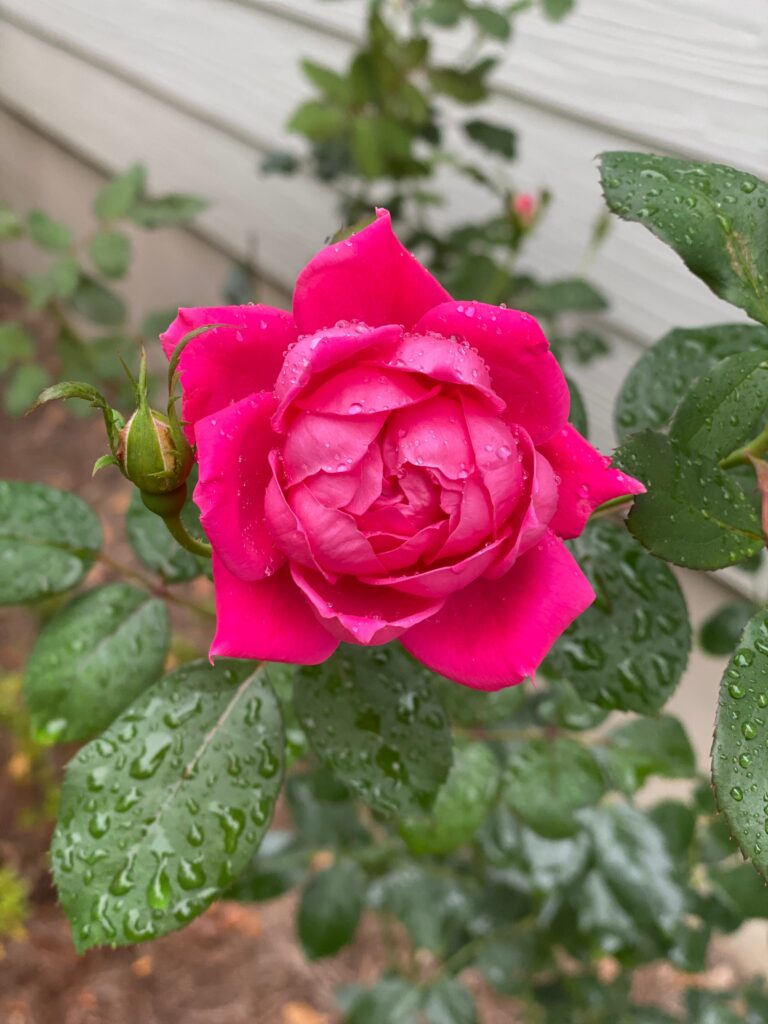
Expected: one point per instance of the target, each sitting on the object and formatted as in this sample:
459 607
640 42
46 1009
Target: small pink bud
525 208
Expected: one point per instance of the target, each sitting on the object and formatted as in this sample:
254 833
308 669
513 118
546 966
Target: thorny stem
757 446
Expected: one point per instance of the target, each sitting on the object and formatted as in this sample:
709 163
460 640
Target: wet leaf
447 1001
156 548
161 813
662 376
434 907
547 782
461 805
373 717
629 649
643 747
393 999
714 217
720 633
92 659
693 514
740 750
48 541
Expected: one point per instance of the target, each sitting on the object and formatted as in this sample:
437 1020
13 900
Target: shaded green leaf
578 413
331 84
494 137
120 195
629 649
98 303
693 514
644 747
714 217
433 907
547 782
720 633
492 22
110 252
318 121
571 295
156 548
172 210
392 999
330 909
557 9
463 86
447 1001
92 659
663 375
11 226
48 541
278 866
373 717
47 232
16 345
461 805
24 385
162 812
58 282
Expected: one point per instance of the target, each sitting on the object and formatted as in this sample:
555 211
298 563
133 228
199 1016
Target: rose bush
388 463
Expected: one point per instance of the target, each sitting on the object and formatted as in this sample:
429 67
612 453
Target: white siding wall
200 88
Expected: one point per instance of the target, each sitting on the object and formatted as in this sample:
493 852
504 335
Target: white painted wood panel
689 75
115 122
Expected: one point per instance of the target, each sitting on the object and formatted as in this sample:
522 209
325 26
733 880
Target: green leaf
462 86
98 304
445 13
373 717
278 161
156 548
172 210
644 747
578 414
742 890
677 822
331 84
492 22
663 375
26 383
740 750
11 226
494 137
570 295
322 811
447 1001
318 121
725 408
330 909
713 216
92 659
162 812
378 143
47 232
391 1000
433 906
720 633
110 252
629 649
16 345
693 514
557 9
508 963
461 806
633 859
58 282
547 782
48 541
118 198
156 322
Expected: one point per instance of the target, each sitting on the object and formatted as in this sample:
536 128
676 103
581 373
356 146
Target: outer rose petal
233 449
524 372
269 620
360 614
370 277
586 480
494 633
225 364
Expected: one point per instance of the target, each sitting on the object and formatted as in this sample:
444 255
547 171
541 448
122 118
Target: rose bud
525 208
154 455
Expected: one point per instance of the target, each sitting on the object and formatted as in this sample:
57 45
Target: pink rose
525 208
388 463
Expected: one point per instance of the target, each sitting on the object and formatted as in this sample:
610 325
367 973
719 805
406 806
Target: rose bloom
386 463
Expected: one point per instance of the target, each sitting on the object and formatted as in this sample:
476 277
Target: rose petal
445 580
362 390
472 522
233 451
523 371
333 536
268 620
369 277
432 434
439 358
225 364
323 351
585 480
538 515
330 444
496 454
286 529
494 633
359 614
